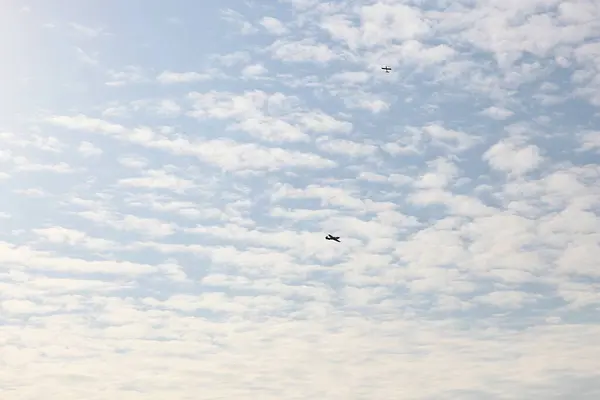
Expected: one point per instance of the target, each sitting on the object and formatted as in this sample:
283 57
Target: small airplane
386 69
336 238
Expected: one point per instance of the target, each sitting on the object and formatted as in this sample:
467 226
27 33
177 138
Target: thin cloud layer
168 184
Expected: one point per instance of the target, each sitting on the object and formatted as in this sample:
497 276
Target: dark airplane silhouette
336 238
386 69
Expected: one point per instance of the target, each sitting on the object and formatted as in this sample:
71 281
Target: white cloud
352 77
415 140
88 149
271 117
152 227
452 139
236 18
35 140
158 179
73 237
273 25
189 255
167 77
346 147
133 162
31 192
380 24
505 299
87 31
22 256
232 59
590 141
254 70
498 113
513 157
394 179
365 101
224 153
60 168
302 51
168 108
129 74
87 58
443 172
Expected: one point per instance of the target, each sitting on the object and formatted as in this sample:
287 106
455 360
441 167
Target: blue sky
170 171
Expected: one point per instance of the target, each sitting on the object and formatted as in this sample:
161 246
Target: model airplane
336 238
386 69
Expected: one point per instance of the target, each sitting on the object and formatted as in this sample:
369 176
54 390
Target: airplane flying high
336 238
386 69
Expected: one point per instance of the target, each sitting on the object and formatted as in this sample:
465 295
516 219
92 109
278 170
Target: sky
169 172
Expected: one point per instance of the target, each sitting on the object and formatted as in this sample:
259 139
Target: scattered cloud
239 21
86 58
128 75
497 113
60 167
133 162
168 108
590 141
254 70
224 153
88 149
304 50
158 179
346 147
181 77
273 26
454 140
168 188
87 30
513 157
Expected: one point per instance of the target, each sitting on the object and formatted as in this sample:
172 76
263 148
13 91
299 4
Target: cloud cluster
168 184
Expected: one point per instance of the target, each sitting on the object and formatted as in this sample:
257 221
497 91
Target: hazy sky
169 170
